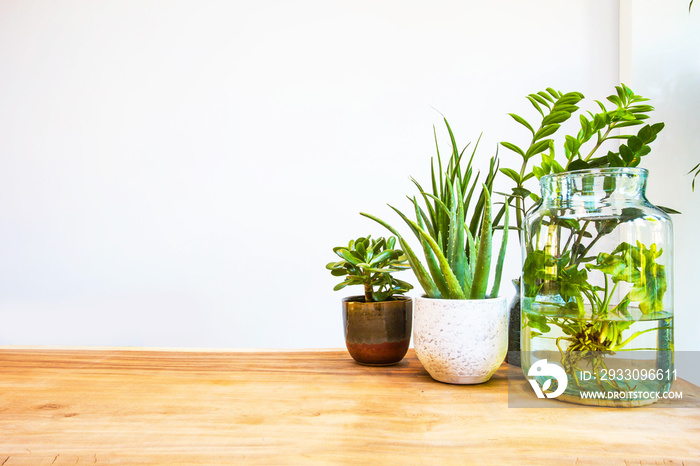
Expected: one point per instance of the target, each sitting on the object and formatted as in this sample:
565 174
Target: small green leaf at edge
514 148
523 122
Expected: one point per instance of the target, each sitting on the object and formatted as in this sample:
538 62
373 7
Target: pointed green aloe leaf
472 248
439 159
426 221
483 261
469 166
455 290
432 166
423 193
502 210
501 255
477 215
468 200
421 274
442 218
430 258
455 242
456 156
442 206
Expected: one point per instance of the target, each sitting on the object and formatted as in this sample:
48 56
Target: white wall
175 173
661 54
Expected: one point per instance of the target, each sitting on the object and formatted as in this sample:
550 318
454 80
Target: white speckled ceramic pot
460 341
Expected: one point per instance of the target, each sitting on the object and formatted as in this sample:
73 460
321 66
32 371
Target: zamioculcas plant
370 262
580 150
580 276
455 230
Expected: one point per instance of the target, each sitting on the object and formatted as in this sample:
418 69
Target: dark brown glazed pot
377 334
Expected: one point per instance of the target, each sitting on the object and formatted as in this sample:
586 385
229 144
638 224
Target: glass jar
597 295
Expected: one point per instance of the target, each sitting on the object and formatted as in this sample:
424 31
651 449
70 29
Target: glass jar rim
607 171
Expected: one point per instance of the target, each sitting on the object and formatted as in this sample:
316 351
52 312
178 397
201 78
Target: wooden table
68 406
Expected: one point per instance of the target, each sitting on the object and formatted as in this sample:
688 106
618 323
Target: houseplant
460 328
556 108
377 324
596 280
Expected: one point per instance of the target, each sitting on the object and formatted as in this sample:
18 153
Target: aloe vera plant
456 237
370 263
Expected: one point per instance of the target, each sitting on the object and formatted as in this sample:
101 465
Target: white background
176 173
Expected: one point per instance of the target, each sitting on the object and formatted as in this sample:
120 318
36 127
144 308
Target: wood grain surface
105 406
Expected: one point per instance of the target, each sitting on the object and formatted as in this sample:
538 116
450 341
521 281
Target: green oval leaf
546 131
556 117
381 257
512 174
522 121
538 147
340 286
514 148
348 256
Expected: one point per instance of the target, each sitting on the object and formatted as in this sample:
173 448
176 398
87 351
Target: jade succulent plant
457 242
370 262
